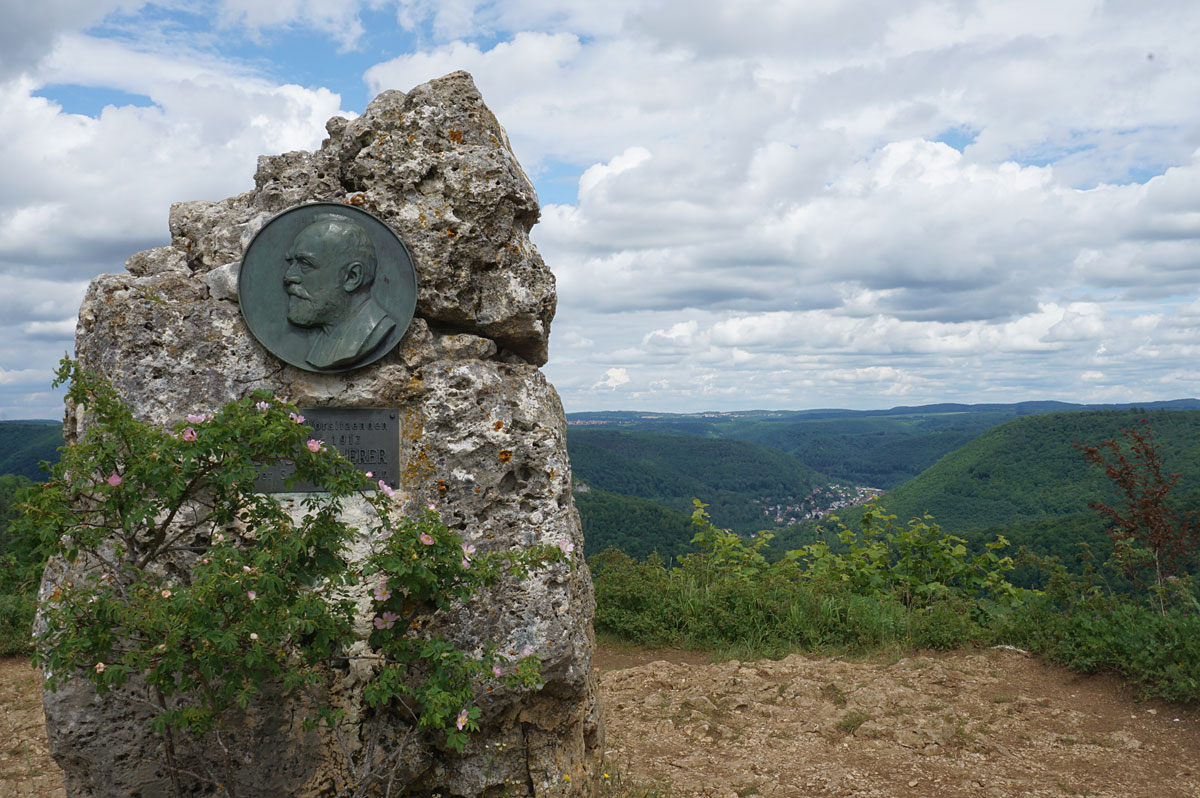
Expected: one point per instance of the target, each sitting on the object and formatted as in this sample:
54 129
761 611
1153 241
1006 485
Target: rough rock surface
483 433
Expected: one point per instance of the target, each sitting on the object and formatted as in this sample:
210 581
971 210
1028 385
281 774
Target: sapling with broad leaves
1151 536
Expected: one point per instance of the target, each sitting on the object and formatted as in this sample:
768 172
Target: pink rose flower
299 419
114 479
385 621
315 446
189 434
462 720
426 538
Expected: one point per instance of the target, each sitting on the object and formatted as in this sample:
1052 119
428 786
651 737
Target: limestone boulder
483 433
438 168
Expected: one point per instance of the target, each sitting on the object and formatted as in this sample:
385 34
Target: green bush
634 599
22 559
892 587
1158 652
946 624
20 573
16 623
918 565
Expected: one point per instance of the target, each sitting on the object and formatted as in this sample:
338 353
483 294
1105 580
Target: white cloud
613 378
914 231
89 191
13 376
61 330
39 299
30 29
337 18
465 18
829 359
765 215
561 100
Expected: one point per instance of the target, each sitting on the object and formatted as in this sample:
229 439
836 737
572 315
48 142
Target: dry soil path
987 723
981 724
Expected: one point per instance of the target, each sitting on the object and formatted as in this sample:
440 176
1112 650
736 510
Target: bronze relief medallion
327 287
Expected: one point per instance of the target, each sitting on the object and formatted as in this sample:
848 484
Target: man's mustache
297 291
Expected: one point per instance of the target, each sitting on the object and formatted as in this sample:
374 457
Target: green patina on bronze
327 287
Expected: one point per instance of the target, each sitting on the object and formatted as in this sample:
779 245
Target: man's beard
305 311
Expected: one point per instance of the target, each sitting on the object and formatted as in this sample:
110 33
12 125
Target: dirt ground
983 723
26 768
987 723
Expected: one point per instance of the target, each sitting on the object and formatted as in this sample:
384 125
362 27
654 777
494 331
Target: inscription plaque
367 437
327 287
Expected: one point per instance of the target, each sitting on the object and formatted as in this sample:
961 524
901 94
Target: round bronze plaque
327 287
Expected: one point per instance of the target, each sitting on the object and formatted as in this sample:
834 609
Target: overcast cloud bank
756 204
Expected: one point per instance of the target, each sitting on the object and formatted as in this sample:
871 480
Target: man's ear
354 277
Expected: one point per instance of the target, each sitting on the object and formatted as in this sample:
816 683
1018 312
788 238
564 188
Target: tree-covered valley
978 470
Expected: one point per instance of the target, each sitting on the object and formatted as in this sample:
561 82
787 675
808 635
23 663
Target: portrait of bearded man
331 270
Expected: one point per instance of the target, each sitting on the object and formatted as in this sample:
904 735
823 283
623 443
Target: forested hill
23 444
1030 469
990 466
639 527
738 479
880 448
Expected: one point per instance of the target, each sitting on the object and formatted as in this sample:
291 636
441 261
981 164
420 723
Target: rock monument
482 432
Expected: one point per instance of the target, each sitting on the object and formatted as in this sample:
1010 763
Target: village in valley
820 502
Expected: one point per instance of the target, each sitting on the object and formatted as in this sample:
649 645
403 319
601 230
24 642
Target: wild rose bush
183 575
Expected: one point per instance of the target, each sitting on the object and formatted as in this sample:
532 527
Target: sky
753 204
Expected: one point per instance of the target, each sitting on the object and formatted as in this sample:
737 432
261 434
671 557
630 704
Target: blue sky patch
1047 153
557 183
1142 174
152 19
294 53
90 100
958 137
312 59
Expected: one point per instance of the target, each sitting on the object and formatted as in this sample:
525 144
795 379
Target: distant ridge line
1021 408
